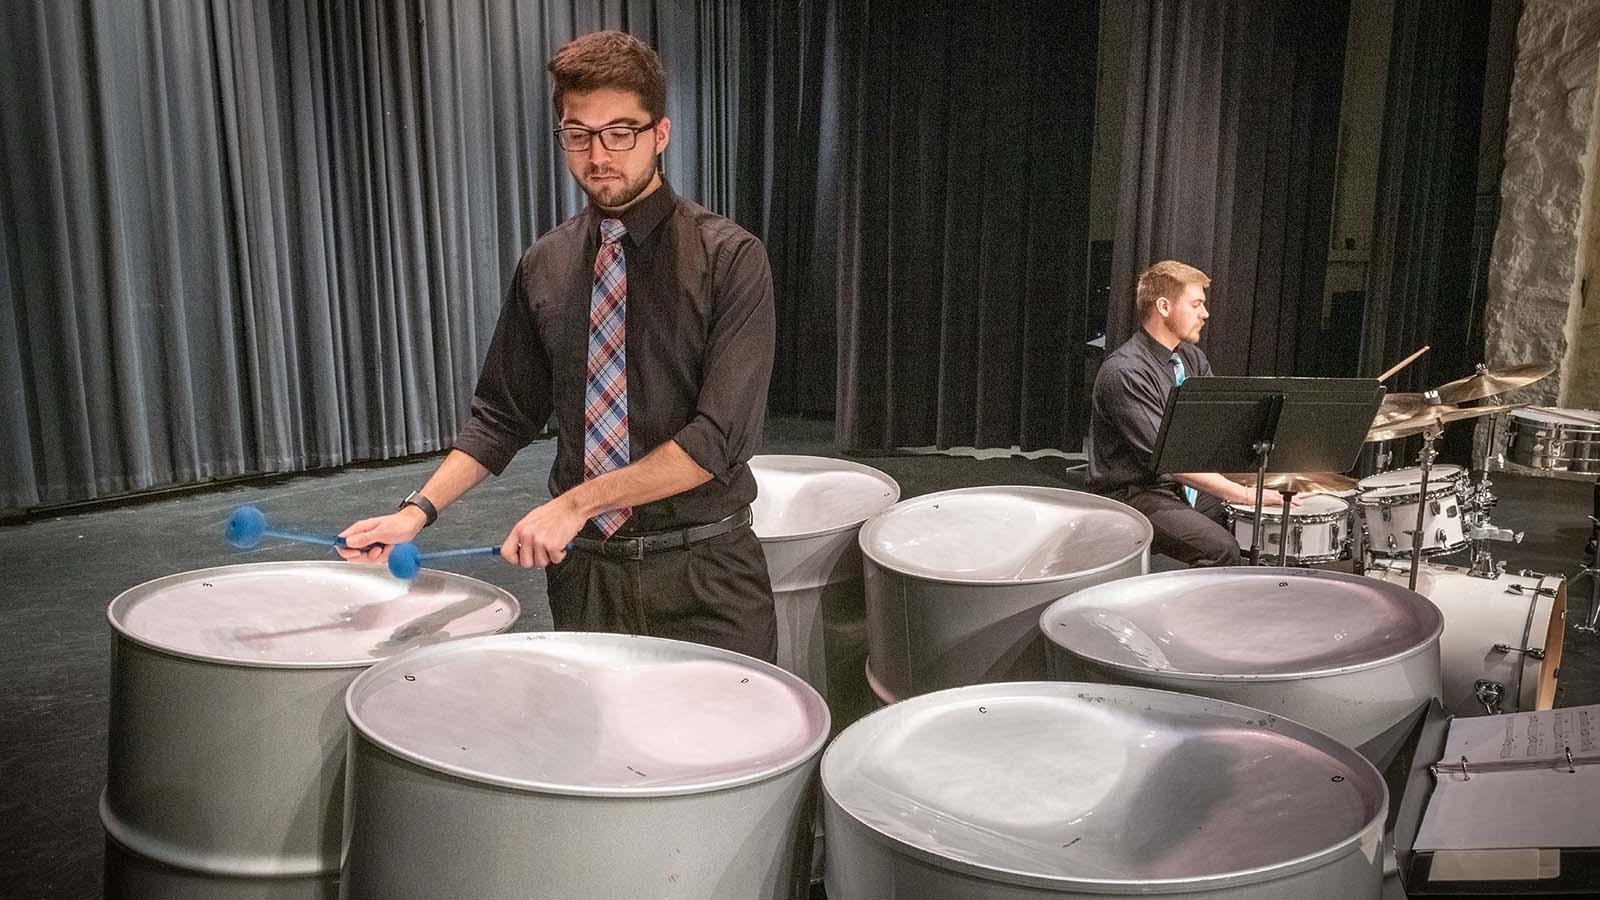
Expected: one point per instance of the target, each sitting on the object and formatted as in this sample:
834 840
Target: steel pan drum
1555 439
1056 790
560 766
1487 623
227 739
807 513
1349 656
955 580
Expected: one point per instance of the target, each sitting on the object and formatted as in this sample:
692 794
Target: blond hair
1167 279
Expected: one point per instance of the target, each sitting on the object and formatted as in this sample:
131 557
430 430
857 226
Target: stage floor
64 570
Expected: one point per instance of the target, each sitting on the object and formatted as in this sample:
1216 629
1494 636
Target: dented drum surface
227 736
955 580
807 514
1350 656
564 765
1058 790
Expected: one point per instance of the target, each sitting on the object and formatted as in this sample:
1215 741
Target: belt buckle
624 548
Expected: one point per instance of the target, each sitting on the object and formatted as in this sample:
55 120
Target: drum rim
1440 472
842 464
139 591
1247 512
1427 607
361 684
1142 548
1093 692
1435 491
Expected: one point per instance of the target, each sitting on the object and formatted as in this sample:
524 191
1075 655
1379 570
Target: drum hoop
1434 493
1249 515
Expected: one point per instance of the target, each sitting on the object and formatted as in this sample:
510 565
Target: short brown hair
610 59
1167 279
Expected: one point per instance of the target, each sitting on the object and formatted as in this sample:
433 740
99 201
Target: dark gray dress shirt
1130 396
700 335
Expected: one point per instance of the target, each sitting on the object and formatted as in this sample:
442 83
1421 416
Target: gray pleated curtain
258 237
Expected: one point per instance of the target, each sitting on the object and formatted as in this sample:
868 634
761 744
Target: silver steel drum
1503 637
1353 657
568 765
1056 790
807 514
227 738
1554 439
955 580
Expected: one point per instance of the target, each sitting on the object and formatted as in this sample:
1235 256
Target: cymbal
1298 482
1432 416
1397 407
1488 382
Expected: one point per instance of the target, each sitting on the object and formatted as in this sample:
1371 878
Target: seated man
1130 395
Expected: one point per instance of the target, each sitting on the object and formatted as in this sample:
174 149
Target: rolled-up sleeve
512 400
732 404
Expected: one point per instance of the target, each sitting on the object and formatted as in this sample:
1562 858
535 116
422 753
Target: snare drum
1318 529
1390 513
1501 650
1555 439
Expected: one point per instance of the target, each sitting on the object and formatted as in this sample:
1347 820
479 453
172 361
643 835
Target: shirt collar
1155 348
641 218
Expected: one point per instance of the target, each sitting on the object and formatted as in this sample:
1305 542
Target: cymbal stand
1592 567
1283 527
1426 458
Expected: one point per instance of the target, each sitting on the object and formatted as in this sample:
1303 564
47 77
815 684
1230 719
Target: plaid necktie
1178 375
605 401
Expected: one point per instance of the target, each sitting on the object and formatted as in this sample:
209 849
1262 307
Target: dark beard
620 196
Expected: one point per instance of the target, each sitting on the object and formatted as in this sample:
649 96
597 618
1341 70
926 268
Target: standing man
646 325
1130 397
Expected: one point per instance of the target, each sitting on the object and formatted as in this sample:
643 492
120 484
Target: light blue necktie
1179 375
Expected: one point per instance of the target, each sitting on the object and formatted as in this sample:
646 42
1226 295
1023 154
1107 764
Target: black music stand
1234 424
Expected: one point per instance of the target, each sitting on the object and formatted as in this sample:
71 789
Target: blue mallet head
405 561
245 527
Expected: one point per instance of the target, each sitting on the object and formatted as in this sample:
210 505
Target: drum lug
1441 537
1384 512
1433 506
1530 652
1489 694
1298 550
1522 588
1392 544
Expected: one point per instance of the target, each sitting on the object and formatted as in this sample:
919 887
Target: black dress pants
1194 535
716 592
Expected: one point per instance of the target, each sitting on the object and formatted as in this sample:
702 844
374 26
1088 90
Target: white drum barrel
807 515
1501 649
1059 791
227 738
1389 515
1349 656
1319 529
564 765
955 580
1555 439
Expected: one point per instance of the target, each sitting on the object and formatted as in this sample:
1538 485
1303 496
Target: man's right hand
370 540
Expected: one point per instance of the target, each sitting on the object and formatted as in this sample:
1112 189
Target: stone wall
1549 219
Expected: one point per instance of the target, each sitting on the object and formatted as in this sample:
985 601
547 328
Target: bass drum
1501 649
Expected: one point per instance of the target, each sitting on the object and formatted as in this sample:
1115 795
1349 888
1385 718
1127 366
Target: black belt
641 545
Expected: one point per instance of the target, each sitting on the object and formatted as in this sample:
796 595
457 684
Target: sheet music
1532 736
1541 803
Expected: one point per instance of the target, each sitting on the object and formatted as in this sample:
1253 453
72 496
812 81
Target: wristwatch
416 499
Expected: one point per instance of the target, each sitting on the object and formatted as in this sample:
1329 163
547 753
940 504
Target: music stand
1237 424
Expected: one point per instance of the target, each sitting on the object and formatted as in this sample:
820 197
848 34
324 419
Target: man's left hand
540 538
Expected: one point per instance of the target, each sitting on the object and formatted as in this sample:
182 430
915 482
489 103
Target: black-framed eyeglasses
615 138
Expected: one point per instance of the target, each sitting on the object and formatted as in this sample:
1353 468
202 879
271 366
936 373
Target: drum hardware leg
1530 652
1283 528
1426 458
1262 449
1489 694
